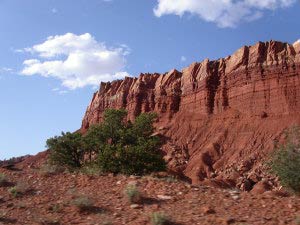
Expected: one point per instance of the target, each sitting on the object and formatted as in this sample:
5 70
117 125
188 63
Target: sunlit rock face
216 116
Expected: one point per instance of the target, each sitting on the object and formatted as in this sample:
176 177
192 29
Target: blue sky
54 52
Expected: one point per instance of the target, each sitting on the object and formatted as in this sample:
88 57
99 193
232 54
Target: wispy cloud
225 13
60 91
76 60
5 70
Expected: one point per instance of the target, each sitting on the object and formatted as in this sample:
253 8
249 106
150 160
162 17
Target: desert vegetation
19 189
159 218
132 193
285 161
115 145
3 180
83 203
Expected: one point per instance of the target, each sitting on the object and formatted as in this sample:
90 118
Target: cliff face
220 118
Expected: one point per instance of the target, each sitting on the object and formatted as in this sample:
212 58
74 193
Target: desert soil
49 201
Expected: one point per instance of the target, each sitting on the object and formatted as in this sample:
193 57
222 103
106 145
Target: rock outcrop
220 118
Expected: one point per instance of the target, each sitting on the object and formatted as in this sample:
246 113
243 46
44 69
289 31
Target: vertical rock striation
218 116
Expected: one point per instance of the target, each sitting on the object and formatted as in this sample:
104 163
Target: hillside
219 119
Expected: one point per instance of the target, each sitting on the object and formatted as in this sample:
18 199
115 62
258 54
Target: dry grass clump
55 208
19 189
83 203
133 194
159 218
48 170
3 180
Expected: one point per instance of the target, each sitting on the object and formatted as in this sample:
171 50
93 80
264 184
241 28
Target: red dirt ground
49 200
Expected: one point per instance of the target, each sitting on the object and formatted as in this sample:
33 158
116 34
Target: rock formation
220 118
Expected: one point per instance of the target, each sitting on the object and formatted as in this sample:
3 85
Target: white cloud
182 58
76 60
225 13
59 91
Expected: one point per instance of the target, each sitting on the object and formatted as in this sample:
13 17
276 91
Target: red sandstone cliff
220 118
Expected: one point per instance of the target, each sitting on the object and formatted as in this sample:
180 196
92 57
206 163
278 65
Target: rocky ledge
220 119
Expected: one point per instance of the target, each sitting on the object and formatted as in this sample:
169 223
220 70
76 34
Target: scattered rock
235 197
261 187
164 197
135 206
133 182
208 210
230 221
244 184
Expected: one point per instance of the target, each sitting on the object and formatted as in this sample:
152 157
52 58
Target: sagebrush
159 218
285 161
133 194
19 189
83 202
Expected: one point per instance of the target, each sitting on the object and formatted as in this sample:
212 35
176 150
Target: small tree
120 146
94 140
66 150
133 150
143 125
113 124
109 159
285 161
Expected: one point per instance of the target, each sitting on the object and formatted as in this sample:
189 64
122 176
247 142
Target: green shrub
133 194
66 150
285 161
159 218
134 149
94 140
14 192
128 160
115 145
114 125
91 169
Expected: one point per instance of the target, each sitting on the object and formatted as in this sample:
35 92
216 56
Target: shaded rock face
218 117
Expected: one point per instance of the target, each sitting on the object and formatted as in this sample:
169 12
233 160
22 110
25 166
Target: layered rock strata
220 118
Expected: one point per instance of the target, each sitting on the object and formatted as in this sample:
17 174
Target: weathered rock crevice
214 114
